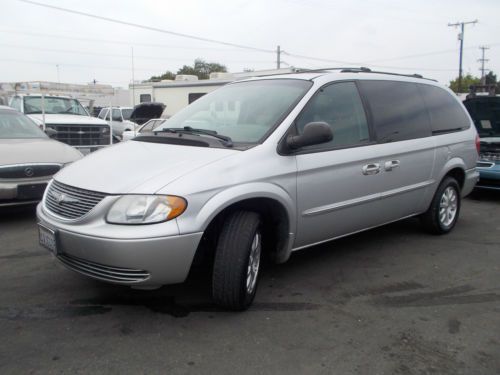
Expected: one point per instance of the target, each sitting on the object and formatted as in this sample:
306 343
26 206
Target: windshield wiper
226 141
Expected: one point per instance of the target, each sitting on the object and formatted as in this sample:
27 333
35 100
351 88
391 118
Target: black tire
433 220
232 258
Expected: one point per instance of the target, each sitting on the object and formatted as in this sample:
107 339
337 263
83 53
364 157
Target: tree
167 75
467 80
491 78
202 69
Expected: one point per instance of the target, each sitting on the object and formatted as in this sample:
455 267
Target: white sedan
146 128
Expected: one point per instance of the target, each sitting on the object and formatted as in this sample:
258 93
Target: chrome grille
70 202
490 156
29 170
82 135
103 272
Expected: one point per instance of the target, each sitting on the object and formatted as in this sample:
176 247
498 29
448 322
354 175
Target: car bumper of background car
146 262
489 177
22 191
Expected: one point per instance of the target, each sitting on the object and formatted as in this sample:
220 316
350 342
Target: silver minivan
267 165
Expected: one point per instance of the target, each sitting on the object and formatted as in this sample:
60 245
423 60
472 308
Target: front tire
237 261
443 212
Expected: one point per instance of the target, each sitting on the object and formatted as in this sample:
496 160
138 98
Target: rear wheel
443 212
237 261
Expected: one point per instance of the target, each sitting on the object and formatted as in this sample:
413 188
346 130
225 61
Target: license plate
34 191
47 238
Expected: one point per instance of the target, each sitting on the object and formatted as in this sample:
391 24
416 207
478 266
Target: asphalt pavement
393 300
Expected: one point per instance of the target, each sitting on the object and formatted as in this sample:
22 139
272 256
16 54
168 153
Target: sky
42 44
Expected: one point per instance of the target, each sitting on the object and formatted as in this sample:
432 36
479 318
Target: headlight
145 209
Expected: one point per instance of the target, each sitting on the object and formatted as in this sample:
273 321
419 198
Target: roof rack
360 69
367 70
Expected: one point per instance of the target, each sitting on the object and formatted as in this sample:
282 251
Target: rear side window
398 110
446 114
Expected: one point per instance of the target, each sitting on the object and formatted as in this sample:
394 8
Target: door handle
390 165
373 168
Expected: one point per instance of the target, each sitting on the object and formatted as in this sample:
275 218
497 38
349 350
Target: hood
36 150
67 119
138 167
146 111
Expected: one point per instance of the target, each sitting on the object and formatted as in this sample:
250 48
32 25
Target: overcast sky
400 36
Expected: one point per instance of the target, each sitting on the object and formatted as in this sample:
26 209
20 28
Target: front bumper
131 260
489 175
11 193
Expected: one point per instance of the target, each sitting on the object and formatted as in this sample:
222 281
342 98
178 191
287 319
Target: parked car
267 165
67 117
485 111
147 128
144 112
120 119
28 159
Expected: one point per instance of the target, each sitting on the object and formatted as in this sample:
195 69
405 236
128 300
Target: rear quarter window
445 112
397 109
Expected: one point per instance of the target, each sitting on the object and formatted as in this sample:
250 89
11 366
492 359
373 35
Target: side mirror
51 132
314 133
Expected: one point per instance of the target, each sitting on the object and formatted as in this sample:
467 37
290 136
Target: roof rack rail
361 69
366 70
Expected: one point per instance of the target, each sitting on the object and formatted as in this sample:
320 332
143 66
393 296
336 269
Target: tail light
478 144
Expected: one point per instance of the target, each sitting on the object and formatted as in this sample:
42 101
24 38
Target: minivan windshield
53 105
245 112
14 125
485 112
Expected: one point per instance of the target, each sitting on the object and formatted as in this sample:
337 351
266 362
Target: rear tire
237 261
443 212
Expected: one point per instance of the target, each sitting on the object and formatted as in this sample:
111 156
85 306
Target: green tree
491 78
167 75
202 69
467 80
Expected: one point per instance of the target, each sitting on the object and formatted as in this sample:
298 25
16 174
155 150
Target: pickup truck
68 119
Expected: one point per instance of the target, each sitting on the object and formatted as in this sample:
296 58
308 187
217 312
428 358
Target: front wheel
237 261
443 212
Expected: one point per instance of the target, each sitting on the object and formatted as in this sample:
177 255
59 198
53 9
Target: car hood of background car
144 112
138 167
36 150
67 119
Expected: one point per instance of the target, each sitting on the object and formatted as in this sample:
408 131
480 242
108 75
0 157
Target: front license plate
47 238
34 191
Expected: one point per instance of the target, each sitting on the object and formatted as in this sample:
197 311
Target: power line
94 40
112 55
146 27
75 65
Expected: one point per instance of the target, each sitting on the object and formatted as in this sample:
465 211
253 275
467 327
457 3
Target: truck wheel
237 261
443 212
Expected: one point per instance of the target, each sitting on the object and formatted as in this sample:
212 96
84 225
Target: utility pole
278 59
461 38
482 60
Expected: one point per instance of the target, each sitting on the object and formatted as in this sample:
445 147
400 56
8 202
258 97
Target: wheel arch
272 202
